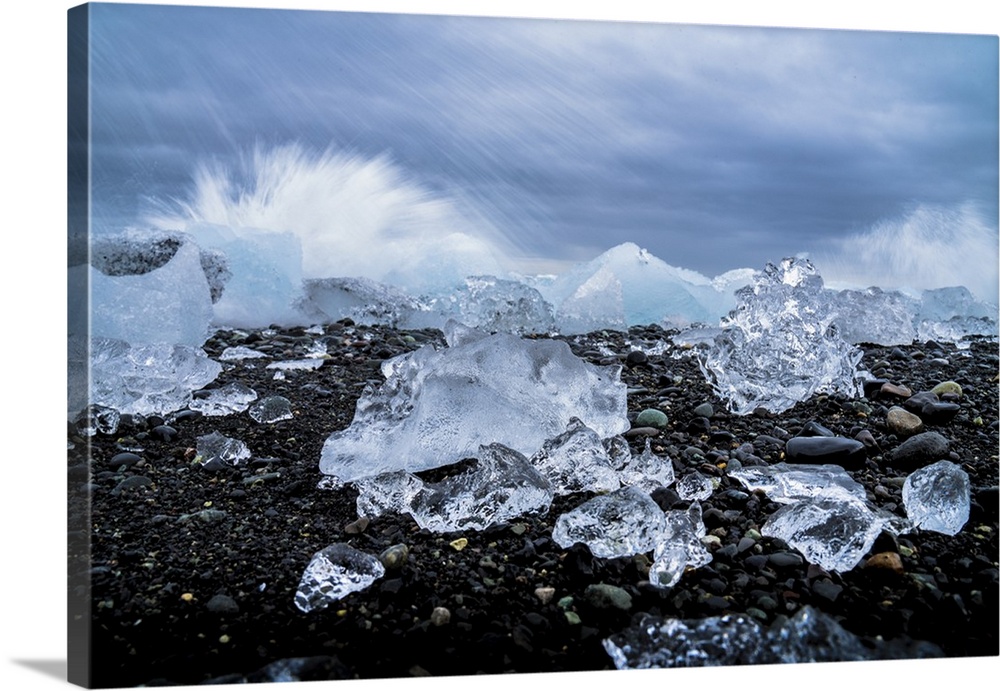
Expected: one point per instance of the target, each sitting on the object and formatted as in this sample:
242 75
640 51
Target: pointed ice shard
832 532
436 408
678 547
936 497
619 524
333 573
576 461
787 483
780 346
225 400
216 451
502 485
647 471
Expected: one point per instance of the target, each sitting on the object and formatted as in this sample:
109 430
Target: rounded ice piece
936 497
618 524
335 572
271 409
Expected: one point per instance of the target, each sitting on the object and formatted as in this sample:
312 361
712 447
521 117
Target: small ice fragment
694 487
833 532
98 419
618 524
619 453
388 492
786 483
218 451
936 497
647 471
678 546
576 461
225 400
302 364
502 485
271 409
335 572
235 353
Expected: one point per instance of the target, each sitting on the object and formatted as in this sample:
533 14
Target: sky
715 147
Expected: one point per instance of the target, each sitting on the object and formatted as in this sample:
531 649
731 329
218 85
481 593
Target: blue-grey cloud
714 147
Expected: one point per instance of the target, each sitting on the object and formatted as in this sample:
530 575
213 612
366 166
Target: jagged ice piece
333 573
618 524
937 497
576 461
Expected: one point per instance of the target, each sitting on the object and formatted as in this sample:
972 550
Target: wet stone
939 413
919 450
903 423
847 453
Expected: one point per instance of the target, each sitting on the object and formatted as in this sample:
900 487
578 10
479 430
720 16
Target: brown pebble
886 561
357 526
903 422
895 390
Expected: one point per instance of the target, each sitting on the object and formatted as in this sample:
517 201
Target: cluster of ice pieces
809 636
780 345
827 517
438 407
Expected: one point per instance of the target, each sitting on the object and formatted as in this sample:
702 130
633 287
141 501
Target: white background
32 368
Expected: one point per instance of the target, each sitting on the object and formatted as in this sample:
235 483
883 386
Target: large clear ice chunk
875 316
438 407
144 301
786 483
809 636
502 485
146 379
950 314
491 304
780 345
576 461
937 497
333 573
832 532
618 524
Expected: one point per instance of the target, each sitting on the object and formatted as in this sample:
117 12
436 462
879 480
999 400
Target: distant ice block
225 400
950 314
265 286
438 407
937 497
488 303
646 471
678 546
652 292
809 636
503 485
237 353
156 291
333 573
833 532
787 483
874 316
778 348
217 451
360 299
145 379
618 524
576 461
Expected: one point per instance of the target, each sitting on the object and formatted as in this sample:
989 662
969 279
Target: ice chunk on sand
143 301
361 299
936 497
491 304
266 275
678 546
225 400
647 471
778 348
875 316
333 573
271 409
502 485
144 379
618 524
950 314
786 483
809 636
216 451
832 532
576 461
438 407
388 492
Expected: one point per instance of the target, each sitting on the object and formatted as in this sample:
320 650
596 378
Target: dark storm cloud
713 147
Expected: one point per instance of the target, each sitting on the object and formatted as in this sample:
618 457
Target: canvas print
415 345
